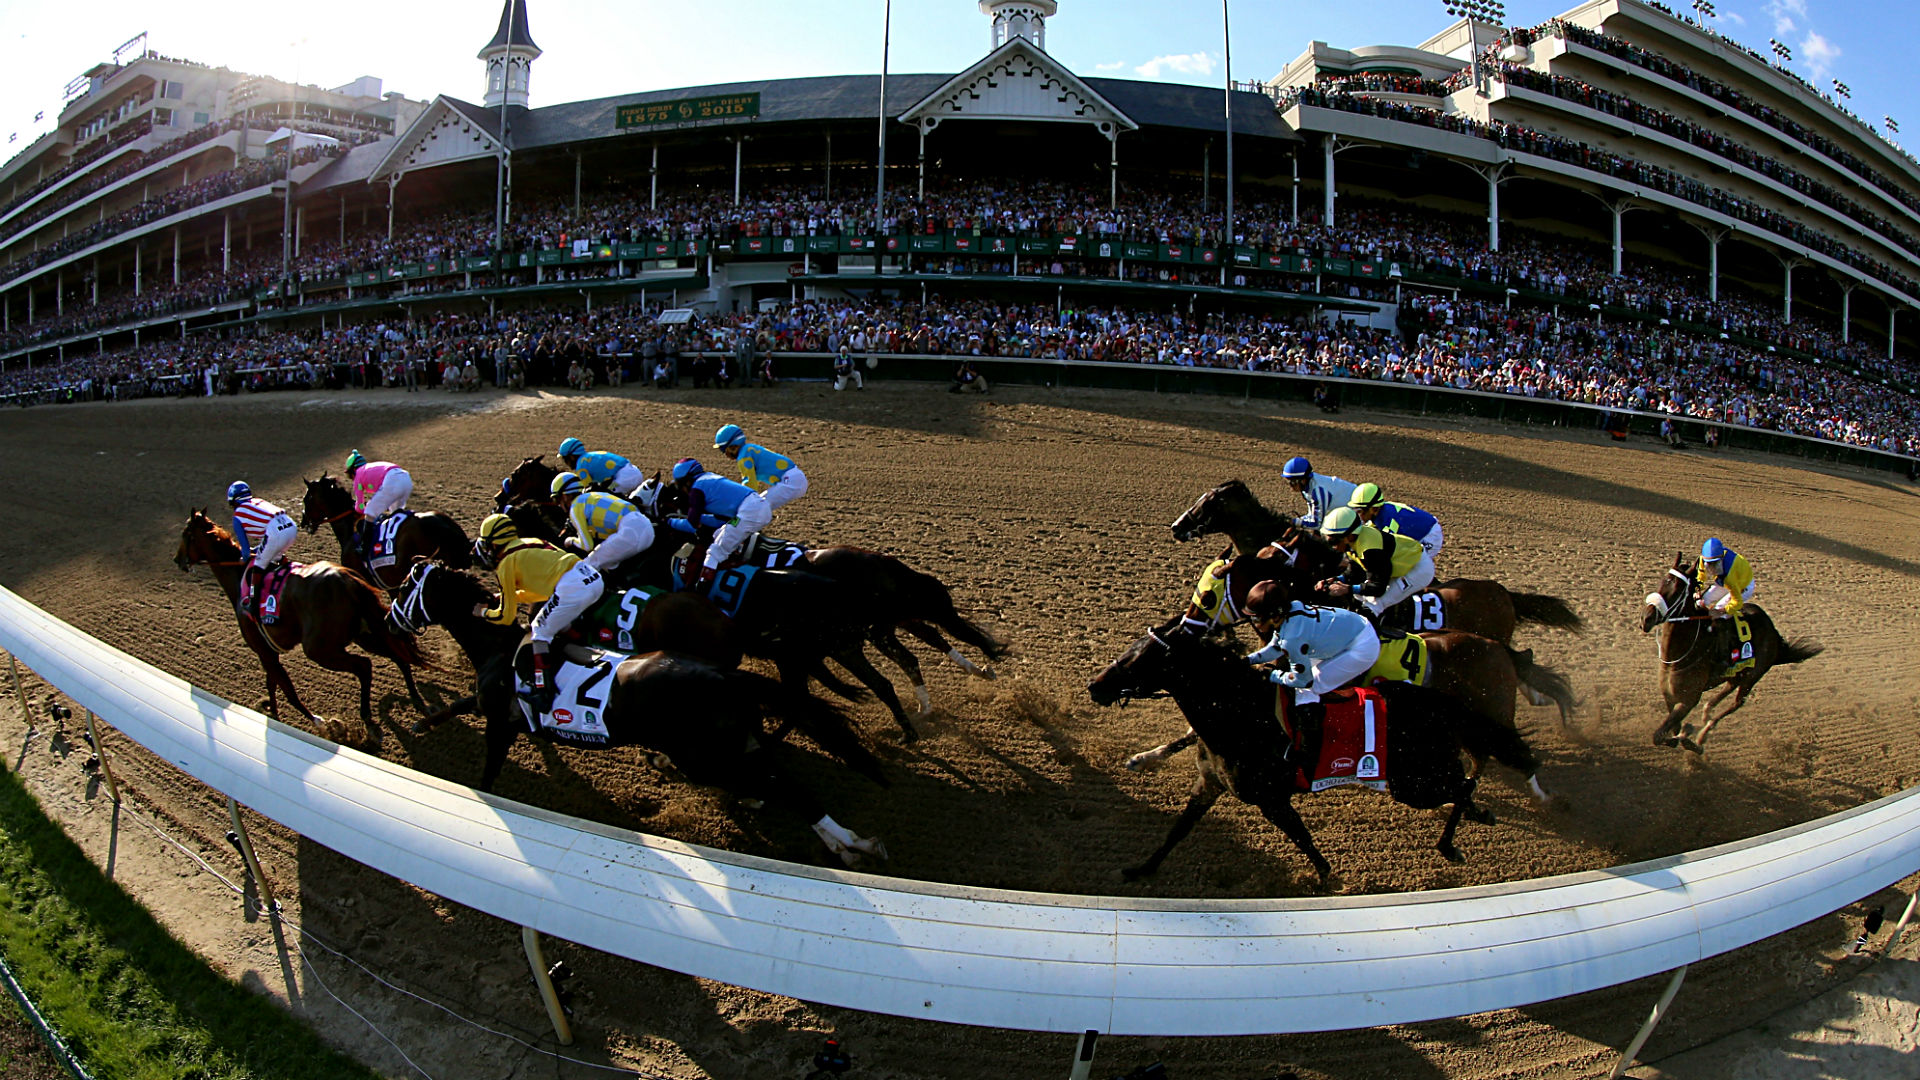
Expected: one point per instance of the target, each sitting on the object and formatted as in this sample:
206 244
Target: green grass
132 1002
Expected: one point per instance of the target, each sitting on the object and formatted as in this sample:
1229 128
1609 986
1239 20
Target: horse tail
449 540
1544 679
929 599
373 634
828 726
1798 651
1546 610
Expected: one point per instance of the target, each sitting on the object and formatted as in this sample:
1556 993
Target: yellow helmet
566 484
1341 521
1367 497
498 530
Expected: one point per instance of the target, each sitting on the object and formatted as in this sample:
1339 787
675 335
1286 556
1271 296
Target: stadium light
1892 124
1476 11
1842 89
1785 54
1704 8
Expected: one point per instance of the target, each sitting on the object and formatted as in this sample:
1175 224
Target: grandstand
1617 207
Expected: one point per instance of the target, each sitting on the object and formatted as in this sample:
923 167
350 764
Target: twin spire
510 56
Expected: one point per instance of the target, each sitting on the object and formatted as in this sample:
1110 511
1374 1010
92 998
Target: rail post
245 843
1653 1021
530 938
1083 1055
100 751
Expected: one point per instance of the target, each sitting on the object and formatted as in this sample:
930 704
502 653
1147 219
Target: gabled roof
1018 81
516 35
449 130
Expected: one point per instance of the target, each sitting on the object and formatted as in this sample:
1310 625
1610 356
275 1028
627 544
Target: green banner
929 243
1340 266
479 262
1136 250
687 110
1031 246
823 244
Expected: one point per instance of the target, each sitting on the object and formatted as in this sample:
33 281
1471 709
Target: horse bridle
1134 695
1660 646
410 613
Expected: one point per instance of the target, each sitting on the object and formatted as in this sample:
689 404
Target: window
170 89
163 117
201 119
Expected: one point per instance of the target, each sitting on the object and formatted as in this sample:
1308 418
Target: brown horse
1696 649
424 534
1244 748
323 609
1478 606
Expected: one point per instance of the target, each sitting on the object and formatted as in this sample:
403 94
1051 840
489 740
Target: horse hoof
1689 744
909 735
420 727
1480 815
1141 762
989 674
1666 740
1452 854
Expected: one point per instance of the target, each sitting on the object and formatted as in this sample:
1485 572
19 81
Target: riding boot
249 603
541 691
1309 721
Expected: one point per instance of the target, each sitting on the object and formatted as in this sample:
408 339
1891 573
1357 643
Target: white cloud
1115 66
1819 53
1733 17
1783 12
1198 63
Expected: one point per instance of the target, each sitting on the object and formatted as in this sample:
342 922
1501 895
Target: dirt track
1047 512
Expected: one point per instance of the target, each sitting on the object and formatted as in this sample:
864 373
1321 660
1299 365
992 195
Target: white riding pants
393 494
788 488
634 535
281 532
576 591
1432 542
853 378
1399 589
628 478
1717 597
1338 670
753 515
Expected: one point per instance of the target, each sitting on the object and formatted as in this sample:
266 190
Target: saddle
1424 610
1403 658
768 552
271 585
382 540
1352 740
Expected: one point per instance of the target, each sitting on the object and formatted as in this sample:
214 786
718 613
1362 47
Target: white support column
1493 175
59 292
299 228
577 168
1892 312
1326 215
96 281
1619 210
1113 169
1713 266
1296 185
343 219
136 292
1786 300
393 182
653 174
138 258
226 241
176 254
739 146
921 191
1846 312
1083 1055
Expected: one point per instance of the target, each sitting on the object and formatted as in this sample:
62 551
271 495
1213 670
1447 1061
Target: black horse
1244 748
706 719
424 535
1696 650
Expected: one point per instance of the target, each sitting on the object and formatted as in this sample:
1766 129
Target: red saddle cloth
1353 742
274 583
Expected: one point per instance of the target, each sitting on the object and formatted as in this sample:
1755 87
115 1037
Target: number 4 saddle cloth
1353 740
579 699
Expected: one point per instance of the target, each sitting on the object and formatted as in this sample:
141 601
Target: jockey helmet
728 437
1341 521
686 468
1713 551
1296 468
354 460
567 484
571 449
238 490
498 530
647 495
1367 497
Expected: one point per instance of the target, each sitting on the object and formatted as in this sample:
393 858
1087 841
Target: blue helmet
571 449
728 437
1296 468
686 467
1713 550
238 490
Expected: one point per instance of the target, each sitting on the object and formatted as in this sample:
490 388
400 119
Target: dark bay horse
1478 606
323 609
1695 651
1243 745
423 535
704 718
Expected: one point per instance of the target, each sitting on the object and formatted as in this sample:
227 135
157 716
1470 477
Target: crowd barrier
1077 964
1379 393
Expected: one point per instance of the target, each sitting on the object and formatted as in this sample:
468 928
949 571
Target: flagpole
1226 30
880 183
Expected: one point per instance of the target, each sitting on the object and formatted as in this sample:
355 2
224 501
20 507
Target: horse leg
1206 791
889 644
1668 733
1698 743
501 731
847 844
934 639
413 690
854 659
461 707
1445 843
1147 759
1279 810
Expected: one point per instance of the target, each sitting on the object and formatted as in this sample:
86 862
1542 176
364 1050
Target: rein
1660 647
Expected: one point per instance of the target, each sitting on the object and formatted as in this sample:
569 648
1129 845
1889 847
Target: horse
704 718
1244 746
323 608
1695 650
1479 606
424 534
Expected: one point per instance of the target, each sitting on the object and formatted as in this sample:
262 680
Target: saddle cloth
729 589
1353 741
1740 652
609 623
764 551
271 586
386 540
1403 658
579 700
1422 611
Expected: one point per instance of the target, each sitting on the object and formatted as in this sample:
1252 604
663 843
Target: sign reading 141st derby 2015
688 110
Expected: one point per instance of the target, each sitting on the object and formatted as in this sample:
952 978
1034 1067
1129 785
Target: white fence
977 956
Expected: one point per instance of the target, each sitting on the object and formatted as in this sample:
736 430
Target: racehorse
424 534
1244 745
1697 649
323 608
703 717
1482 607
893 595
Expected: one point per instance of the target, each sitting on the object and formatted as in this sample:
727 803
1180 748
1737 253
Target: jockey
1725 578
1324 648
715 502
379 489
1401 520
609 529
535 572
1323 493
257 521
601 470
1395 567
776 478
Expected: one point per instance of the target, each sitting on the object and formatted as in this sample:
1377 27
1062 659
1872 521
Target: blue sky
597 48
